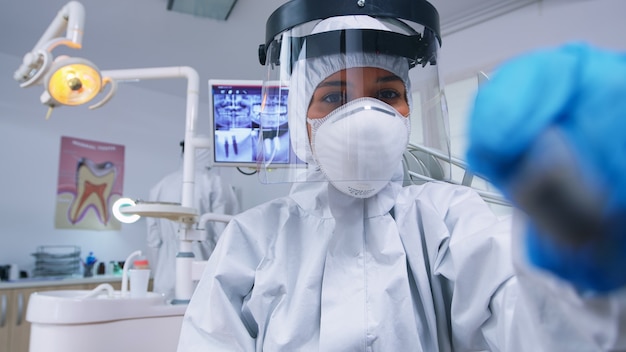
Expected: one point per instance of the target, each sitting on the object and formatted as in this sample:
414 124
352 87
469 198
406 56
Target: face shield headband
418 49
295 13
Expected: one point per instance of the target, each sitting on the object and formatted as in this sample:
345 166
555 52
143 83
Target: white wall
150 125
544 24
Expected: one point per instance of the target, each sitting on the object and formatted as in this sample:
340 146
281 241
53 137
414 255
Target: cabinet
14 329
12 312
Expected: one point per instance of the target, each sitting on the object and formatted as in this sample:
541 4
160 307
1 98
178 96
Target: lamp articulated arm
70 18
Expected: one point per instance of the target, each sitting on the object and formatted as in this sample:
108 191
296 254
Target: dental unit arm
191 223
185 213
422 165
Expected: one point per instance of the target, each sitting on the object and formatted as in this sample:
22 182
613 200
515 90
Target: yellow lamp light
73 81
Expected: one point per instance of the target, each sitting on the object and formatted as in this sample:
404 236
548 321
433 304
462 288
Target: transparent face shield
338 104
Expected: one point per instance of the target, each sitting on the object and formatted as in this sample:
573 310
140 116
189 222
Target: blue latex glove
549 130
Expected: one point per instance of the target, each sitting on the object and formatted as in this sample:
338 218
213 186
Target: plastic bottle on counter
88 265
101 269
116 268
139 277
141 264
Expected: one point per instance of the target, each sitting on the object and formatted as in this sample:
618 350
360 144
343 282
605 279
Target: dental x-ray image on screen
236 111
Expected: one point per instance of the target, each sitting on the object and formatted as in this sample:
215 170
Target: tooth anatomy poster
90 180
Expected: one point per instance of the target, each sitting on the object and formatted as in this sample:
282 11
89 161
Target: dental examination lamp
75 81
67 80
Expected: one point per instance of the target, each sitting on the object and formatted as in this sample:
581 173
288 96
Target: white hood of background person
203 159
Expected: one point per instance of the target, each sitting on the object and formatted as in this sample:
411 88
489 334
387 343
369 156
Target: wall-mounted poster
90 180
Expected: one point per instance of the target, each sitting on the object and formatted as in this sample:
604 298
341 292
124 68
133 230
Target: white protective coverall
418 268
436 276
211 194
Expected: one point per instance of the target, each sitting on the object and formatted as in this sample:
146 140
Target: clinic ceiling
121 34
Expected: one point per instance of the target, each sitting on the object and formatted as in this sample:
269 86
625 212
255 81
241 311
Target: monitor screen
236 114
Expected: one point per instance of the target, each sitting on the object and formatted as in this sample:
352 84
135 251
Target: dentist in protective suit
352 260
212 194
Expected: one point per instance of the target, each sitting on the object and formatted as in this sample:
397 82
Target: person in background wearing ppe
211 195
352 260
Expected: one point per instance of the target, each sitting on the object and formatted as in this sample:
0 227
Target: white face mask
358 146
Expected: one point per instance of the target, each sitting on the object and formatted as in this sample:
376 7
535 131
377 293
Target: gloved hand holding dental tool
549 130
